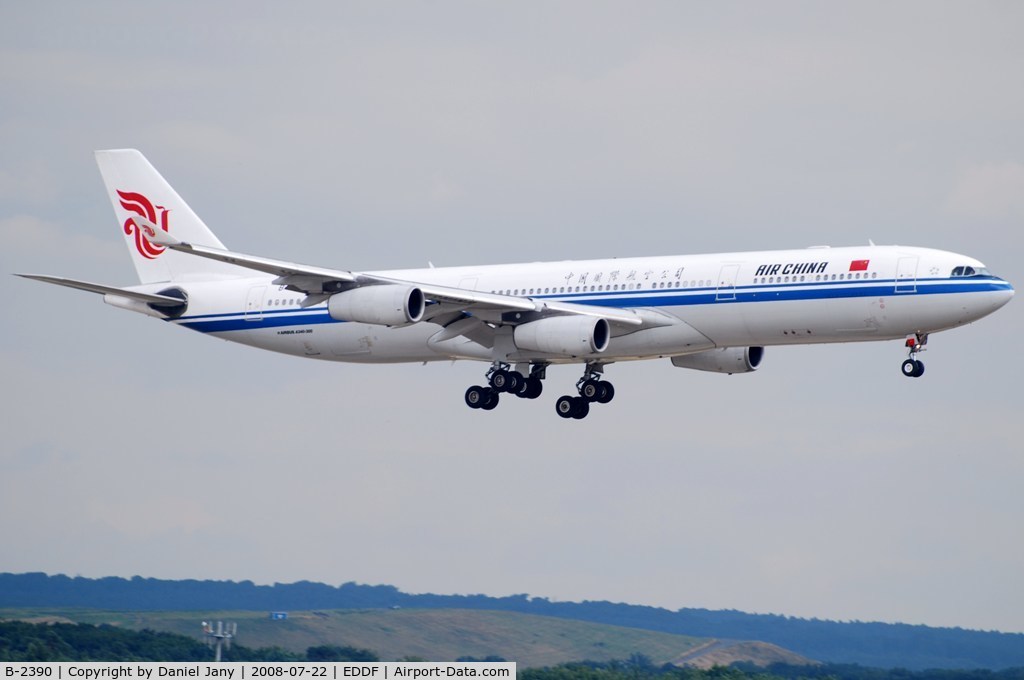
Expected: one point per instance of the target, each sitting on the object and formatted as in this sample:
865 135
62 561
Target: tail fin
136 189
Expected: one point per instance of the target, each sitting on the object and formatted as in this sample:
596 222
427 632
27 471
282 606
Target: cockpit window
969 271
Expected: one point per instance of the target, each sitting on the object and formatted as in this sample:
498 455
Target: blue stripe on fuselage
220 323
676 297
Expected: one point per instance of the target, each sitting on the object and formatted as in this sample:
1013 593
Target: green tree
336 653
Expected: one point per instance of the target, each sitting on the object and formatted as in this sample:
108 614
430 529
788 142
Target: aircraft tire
565 406
476 396
515 382
582 408
534 387
492 401
910 368
523 389
607 393
591 390
918 368
500 381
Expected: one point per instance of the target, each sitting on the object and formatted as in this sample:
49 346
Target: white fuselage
815 295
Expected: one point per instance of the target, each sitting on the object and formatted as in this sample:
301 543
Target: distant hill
728 652
431 634
870 644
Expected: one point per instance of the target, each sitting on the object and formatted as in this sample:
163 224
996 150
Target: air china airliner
707 312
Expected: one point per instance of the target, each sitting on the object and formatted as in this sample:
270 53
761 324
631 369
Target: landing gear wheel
565 406
536 387
912 368
501 381
591 390
524 387
491 402
477 396
531 389
607 393
582 408
515 382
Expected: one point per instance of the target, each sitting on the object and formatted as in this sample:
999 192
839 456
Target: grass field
430 634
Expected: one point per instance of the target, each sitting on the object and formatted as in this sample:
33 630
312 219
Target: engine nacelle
725 360
565 335
384 305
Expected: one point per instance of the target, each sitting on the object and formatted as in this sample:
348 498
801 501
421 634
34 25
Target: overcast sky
383 135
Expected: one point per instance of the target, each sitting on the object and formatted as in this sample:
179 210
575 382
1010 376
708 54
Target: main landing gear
501 378
591 389
914 367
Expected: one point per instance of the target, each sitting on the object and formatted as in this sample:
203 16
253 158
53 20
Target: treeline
878 645
20 641
32 642
638 668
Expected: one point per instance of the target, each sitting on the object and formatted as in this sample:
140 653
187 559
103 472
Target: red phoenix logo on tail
143 207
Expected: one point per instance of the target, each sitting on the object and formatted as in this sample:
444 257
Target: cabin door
254 303
906 275
727 283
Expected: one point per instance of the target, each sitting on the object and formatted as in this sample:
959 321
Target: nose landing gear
914 367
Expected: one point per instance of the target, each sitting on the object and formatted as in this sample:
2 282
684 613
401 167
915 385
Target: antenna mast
219 636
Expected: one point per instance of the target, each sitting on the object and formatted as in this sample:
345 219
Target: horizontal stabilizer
148 298
267 265
155 234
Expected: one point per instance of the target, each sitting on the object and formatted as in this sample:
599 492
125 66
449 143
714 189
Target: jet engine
565 335
385 305
724 360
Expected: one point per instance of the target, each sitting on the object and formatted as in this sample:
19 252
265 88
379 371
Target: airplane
713 312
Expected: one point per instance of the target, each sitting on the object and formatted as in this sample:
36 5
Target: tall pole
219 637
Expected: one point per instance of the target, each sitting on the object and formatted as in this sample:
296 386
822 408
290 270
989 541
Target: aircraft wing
450 303
461 297
319 283
627 320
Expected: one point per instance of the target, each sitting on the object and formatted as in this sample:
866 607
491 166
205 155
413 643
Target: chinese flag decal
859 265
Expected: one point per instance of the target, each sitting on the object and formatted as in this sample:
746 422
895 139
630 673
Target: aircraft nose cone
1002 294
